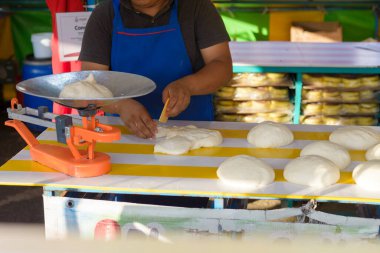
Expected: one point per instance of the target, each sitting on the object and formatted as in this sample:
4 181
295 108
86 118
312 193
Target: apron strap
174 13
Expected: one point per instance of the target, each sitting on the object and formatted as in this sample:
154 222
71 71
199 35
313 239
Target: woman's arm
217 72
132 113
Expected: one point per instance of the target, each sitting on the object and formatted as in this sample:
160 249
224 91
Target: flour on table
176 145
373 153
87 88
331 151
245 171
198 137
270 135
355 137
367 175
163 131
312 170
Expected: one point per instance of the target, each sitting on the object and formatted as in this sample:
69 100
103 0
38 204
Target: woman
181 45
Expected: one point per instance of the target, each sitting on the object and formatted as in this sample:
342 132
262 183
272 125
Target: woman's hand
179 96
136 118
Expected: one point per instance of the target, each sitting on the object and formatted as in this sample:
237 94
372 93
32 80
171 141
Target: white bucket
41 45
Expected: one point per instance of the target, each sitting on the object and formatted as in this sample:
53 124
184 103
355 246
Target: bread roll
313 95
249 79
355 137
314 80
366 121
331 95
332 79
312 120
351 83
350 108
370 81
331 109
270 135
367 95
369 108
281 105
347 121
278 93
276 76
350 96
312 170
312 109
334 121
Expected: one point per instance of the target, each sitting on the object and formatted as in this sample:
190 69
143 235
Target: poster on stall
70 28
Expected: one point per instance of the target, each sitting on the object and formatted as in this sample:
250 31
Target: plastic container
42 45
34 68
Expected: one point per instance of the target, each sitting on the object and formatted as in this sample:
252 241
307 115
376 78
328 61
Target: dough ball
176 145
331 151
312 170
373 153
270 135
162 132
245 172
367 175
355 137
87 88
198 137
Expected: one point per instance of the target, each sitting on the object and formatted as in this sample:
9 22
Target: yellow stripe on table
242 134
191 172
147 149
151 171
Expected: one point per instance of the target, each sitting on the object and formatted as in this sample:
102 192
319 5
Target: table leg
218 203
298 99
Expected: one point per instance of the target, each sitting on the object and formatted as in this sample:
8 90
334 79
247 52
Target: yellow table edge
199 193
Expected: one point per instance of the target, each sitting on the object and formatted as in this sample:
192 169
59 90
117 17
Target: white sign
70 27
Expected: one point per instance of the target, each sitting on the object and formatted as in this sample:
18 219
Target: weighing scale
78 159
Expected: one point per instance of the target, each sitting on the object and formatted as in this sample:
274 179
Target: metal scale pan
122 85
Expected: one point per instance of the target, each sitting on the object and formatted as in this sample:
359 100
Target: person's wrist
186 84
118 106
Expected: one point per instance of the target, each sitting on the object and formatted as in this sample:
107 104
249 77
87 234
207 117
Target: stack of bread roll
255 97
340 99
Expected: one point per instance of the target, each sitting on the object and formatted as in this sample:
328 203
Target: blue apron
158 53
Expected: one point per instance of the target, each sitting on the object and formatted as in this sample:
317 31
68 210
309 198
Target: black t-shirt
200 24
